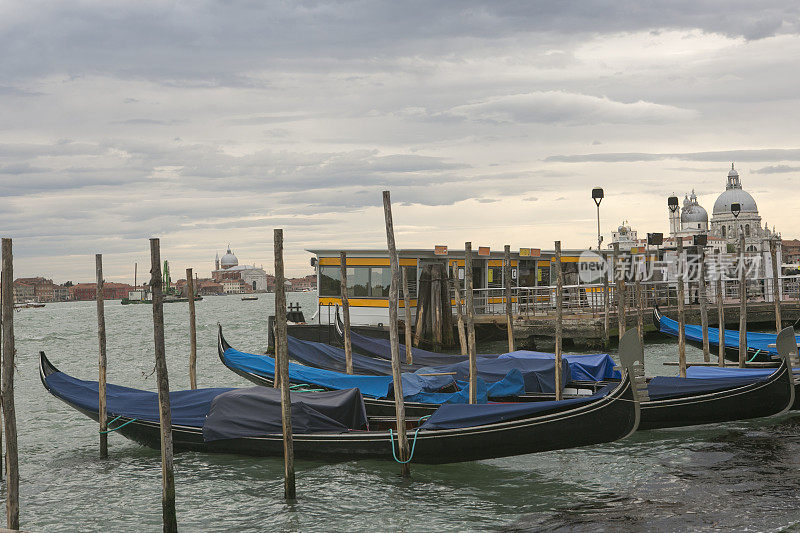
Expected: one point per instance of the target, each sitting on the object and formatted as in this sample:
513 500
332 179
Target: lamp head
672 203
597 195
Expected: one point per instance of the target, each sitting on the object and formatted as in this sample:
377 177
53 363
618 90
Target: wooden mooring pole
776 288
742 303
470 303
165 414
639 299
606 297
9 413
681 311
619 288
348 347
394 338
509 312
720 311
282 361
407 314
101 339
559 317
462 334
192 330
703 297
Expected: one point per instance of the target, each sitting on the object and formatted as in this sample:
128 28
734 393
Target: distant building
626 237
304 284
232 286
791 251
43 289
24 292
252 278
88 291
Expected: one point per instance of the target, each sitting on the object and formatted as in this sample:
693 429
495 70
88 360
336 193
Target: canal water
735 476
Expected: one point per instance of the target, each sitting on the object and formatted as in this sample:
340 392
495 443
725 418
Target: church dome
229 260
734 194
693 212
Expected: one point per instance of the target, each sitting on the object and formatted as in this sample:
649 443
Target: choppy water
736 476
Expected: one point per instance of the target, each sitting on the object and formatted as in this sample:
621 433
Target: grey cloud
561 107
776 169
260 120
169 39
22 168
17 91
771 154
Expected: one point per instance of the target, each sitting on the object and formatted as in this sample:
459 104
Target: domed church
237 278
692 218
726 226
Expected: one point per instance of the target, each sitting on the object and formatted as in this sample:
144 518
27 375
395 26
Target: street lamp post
597 196
735 210
672 203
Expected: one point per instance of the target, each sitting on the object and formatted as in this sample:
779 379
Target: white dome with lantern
228 260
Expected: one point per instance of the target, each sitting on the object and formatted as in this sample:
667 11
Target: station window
362 281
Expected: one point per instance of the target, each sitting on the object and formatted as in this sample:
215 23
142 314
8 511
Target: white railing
587 299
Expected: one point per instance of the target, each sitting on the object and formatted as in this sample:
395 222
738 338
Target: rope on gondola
304 387
118 427
754 356
413 445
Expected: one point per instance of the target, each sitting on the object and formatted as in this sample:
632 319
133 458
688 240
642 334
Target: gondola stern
631 354
222 344
46 368
786 345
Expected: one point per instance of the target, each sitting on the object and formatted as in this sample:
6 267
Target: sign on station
440 249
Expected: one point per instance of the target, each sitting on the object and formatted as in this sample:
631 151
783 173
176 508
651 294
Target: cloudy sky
206 123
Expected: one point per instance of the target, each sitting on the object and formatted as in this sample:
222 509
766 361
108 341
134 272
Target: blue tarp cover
716 372
663 387
461 416
327 357
538 373
755 340
256 411
188 407
414 385
370 386
588 367
381 348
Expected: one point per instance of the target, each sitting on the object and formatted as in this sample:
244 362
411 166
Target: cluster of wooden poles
619 279
721 308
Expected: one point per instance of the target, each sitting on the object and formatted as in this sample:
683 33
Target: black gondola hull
769 397
731 353
604 420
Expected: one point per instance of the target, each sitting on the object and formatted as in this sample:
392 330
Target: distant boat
29 305
248 298
168 299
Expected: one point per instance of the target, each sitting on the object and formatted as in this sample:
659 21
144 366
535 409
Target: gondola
677 402
454 433
259 369
585 370
758 344
672 401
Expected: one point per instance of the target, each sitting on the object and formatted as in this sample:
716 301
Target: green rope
118 427
754 356
414 445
